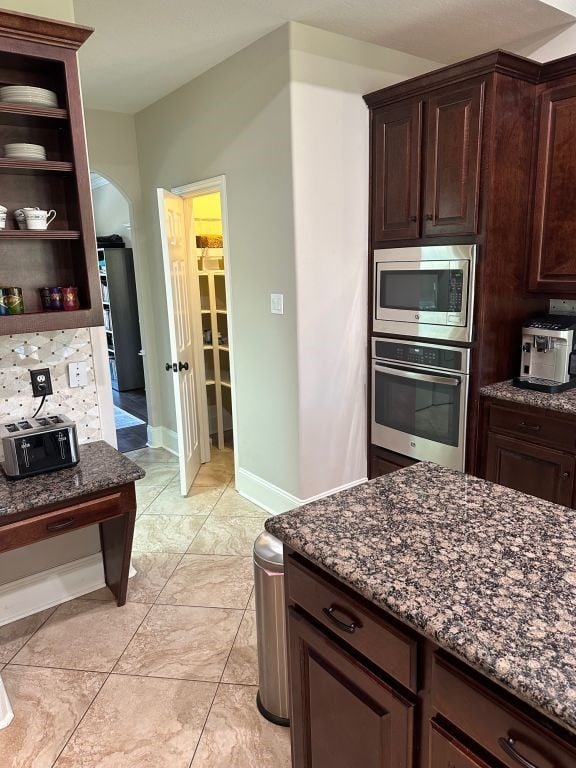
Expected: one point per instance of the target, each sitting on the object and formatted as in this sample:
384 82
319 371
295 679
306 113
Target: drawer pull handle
533 427
508 747
66 523
350 628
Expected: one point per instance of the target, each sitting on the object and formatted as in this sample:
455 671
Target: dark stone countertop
484 571
562 401
101 466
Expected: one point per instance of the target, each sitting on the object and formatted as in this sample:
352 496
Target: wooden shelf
39 234
221 311
224 347
208 346
11 113
225 383
45 166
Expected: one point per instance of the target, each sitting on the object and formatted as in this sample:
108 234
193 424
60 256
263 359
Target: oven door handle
419 376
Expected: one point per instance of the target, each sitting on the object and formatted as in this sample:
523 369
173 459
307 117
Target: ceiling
144 49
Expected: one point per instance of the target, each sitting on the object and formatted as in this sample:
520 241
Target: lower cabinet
382 462
447 752
533 469
346 716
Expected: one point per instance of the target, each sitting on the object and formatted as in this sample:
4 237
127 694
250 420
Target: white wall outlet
78 374
277 303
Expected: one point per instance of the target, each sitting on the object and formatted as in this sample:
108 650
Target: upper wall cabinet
42 54
453 161
397 142
445 202
553 255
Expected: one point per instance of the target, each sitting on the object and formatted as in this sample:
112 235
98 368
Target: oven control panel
425 355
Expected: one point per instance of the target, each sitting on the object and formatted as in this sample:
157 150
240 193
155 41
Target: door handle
172 367
183 366
66 523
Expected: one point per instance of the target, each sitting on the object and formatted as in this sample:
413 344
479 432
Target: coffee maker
548 354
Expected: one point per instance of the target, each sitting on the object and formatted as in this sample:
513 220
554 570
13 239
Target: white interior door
177 277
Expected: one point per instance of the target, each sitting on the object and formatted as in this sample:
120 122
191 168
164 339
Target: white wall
63 10
235 120
552 46
329 74
111 213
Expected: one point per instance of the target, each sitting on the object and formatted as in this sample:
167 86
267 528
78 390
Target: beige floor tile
152 456
231 504
153 569
14 635
200 501
237 736
145 495
242 664
165 533
158 474
252 601
212 474
182 642
48 704
138 721
83 634
218 581
222 458
227 536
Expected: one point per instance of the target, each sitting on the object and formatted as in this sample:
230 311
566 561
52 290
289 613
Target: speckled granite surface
484 571
563 401
100 467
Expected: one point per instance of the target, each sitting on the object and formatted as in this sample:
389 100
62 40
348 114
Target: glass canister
45 298
70 298
56 298
15 301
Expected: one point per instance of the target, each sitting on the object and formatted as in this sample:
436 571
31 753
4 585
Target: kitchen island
436 607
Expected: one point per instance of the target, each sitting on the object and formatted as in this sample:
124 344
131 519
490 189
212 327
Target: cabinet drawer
493 723
447 752
534 426
60 521
364 630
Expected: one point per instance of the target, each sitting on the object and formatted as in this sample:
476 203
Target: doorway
202 208
112 218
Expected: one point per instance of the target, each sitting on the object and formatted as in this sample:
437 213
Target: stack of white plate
25 151
28 94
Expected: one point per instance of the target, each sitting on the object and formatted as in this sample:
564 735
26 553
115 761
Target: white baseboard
162 437
274 499
6 713
49 588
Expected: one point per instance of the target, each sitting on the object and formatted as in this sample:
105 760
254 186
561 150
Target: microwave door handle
419 376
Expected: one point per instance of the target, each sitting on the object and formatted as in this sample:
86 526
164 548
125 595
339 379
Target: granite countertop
100 467
562 401
484 571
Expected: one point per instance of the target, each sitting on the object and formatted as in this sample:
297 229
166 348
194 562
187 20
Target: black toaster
33 446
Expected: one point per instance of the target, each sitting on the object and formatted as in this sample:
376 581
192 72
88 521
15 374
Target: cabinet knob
183 366
429 217
565 475
413 218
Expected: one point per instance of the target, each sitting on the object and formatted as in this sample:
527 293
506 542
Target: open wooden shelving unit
40 52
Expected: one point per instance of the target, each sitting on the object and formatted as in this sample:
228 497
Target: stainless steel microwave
425 292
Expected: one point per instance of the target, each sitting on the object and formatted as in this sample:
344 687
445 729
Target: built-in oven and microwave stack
420 388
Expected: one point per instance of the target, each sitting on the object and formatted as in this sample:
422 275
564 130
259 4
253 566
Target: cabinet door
453 161
447 752
396 143
343 715
553 258
529 468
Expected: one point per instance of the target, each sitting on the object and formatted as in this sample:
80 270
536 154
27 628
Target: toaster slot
11 428
24 425
43 422
56 420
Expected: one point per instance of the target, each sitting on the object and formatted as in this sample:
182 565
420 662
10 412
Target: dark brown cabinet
347 716
529 468
454 118
379 695
553 255
530 450
397 141
41 53
382 462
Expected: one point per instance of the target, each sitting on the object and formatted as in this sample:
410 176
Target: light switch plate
277 303
78 374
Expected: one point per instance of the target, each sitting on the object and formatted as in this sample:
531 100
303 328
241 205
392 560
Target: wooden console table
100 489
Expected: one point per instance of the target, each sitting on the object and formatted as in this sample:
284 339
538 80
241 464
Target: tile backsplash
53 350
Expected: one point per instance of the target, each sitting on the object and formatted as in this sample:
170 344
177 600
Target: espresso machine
548 354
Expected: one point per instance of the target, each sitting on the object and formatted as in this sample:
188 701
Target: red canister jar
70 298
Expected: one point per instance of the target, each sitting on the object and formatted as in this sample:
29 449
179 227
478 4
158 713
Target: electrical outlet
78 374
41 382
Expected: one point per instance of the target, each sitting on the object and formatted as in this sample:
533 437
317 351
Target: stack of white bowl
25 151
28 94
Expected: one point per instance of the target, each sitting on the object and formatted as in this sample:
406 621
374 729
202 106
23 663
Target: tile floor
169 680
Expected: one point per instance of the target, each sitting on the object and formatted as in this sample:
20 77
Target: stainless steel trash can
272 698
